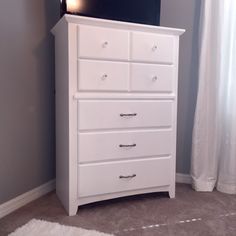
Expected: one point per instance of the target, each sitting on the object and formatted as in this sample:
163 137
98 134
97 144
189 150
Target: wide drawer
103 43
152 48
154 78
123 144
124 114
103 76
95 179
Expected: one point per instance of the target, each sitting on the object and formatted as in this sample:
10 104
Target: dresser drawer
104 43
123 144
95 179
124 114
103 76
152 48
154 78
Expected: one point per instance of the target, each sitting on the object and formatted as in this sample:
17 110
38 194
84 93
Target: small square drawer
119 176
114 114
103 75
152 48
152 78
103 43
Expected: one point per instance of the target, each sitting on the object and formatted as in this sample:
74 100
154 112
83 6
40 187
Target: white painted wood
16 203
85 200
105 43
81 20
152 47
101 197
62 116
124 96
88 120
123 144
124 114
100 178
72 106
174 121
152 78
103 75
66 121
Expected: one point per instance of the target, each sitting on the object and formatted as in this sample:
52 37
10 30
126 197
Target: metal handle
154 48
154 78
128 114
104 76
105 44
127 176
127 145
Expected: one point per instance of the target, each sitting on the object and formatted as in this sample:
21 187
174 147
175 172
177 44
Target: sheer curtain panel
214 134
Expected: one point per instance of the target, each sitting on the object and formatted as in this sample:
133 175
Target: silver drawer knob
154 78
105 44
154 48
104 77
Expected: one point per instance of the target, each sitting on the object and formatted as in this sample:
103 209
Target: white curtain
214 135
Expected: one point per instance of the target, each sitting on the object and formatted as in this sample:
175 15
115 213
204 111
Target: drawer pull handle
154 78
105 44
154 48
128 114
104 77
127 176
127 145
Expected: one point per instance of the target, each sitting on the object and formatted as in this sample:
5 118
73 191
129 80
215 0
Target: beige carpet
44 228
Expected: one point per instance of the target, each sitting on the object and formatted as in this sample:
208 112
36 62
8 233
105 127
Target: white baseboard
183 178
14 204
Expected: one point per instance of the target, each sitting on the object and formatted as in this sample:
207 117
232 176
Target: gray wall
27 153
185 14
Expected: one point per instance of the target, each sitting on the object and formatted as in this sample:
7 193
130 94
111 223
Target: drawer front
95 179
154 78
124 114
104 43
124 144
152 48
103 76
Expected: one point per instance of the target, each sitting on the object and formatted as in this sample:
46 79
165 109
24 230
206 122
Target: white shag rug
44 228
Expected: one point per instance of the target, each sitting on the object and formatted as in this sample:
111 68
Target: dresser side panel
73 120
62 115
174 117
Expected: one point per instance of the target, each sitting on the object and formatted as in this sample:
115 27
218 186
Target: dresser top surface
73 19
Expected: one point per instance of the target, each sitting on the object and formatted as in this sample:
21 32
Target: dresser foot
172 193
73 210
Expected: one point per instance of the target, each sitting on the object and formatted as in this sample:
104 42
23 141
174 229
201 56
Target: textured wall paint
27 146
185 14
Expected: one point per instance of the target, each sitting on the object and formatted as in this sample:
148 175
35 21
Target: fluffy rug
44 228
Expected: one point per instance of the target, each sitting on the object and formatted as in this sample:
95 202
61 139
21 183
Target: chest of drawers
116 109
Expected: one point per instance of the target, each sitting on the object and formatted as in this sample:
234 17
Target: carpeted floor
190 213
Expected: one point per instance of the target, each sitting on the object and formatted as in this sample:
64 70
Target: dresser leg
73 210
172 192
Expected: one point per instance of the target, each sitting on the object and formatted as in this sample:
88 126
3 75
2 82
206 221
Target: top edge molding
73 19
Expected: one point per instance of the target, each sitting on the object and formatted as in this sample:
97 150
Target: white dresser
116 109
